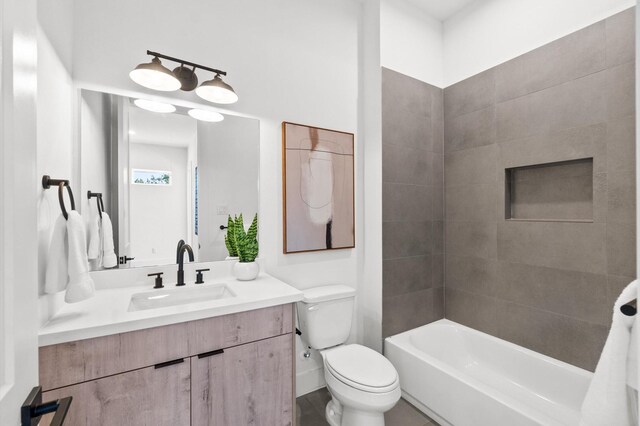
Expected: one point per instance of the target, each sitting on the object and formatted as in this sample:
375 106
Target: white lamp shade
217 91
155 76
154 106
204 115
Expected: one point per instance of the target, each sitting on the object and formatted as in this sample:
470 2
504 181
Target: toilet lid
362 368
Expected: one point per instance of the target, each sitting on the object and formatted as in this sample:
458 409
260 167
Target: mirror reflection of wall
166 177
160 145
97 150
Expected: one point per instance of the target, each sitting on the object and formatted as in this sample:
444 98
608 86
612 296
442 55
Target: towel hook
47 181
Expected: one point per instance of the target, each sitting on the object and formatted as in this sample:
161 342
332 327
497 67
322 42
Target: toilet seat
361 368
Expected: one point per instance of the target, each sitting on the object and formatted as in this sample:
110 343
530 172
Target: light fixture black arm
183 62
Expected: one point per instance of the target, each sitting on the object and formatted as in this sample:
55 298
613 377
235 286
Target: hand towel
80 285
56 276
609 399
109 259
95 245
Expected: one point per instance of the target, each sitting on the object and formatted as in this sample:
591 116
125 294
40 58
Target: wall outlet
222 210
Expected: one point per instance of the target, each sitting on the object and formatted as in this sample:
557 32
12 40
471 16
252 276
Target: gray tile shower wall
412 202
545 285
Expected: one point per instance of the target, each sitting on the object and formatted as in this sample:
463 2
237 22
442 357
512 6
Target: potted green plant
229 241
246 244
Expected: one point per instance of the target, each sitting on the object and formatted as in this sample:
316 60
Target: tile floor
310 412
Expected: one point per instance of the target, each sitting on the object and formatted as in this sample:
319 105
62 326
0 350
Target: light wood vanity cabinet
235 370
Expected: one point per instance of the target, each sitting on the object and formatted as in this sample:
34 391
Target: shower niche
552 192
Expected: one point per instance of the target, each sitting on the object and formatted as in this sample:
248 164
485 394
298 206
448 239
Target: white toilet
363 384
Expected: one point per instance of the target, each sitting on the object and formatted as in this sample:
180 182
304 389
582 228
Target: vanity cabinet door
250 384
149 396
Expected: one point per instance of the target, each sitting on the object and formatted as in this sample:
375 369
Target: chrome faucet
182 247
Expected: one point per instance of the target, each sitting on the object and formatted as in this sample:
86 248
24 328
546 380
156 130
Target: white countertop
107 312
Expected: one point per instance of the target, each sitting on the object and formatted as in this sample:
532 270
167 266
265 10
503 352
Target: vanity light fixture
154 106
204 115
155 76
217 91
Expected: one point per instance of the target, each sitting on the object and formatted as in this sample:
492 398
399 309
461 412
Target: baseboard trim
309 381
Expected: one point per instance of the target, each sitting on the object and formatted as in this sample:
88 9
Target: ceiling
442 9
175 129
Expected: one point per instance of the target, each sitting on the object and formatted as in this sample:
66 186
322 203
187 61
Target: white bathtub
463 377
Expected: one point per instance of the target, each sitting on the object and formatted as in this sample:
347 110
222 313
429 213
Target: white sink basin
179 296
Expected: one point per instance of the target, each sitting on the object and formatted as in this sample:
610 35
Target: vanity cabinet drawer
149 396
231 330
84 360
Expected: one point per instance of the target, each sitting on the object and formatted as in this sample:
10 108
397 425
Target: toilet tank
325 315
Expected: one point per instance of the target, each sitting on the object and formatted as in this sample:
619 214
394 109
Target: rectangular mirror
164 177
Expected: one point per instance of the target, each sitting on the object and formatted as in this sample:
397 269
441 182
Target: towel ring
61 188
99 202
47 181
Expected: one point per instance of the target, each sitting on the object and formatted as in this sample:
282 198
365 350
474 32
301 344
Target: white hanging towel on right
610 400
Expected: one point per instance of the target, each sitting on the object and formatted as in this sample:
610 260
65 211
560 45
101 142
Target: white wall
95 155
411 41
294 61
229 168
55 122
490 32
369 227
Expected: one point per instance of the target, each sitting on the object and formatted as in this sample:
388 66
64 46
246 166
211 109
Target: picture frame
318 186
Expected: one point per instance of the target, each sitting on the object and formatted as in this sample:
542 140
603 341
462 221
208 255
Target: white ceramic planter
231 258
246 271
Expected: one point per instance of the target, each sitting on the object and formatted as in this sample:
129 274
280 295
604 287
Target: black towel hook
61 183
99 202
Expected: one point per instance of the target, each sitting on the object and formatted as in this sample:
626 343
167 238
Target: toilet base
333 413
338 415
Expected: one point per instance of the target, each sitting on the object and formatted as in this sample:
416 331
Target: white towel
80 285
632 360
56 275
609 401
109 259
95 243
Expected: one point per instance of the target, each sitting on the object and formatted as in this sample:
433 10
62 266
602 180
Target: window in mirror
150 177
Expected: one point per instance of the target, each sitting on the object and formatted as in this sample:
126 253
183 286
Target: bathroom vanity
227 361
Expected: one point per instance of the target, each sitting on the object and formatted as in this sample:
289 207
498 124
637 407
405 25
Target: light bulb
154 106
204 115
154 75
217 91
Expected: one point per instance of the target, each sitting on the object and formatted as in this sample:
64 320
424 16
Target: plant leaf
229 240
252 233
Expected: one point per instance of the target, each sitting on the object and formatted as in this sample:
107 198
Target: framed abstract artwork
318 188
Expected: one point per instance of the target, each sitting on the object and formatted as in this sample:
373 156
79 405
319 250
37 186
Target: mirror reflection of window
150 177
